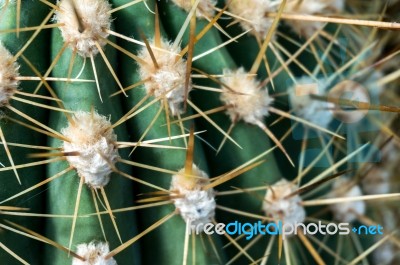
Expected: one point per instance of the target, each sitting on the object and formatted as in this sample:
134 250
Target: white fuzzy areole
169 78
8 76
346 212
314 111
92 137
252 16
387 253
205 8
247 101
377 181
94 254
350 90
195 205
311 7
288 210
85 22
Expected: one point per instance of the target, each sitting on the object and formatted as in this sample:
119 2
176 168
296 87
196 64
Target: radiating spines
8 76
317 112
92 138
165 76
311 7
348 211
94 253
205 8
195 204
280 203
252 14
84 24
247 101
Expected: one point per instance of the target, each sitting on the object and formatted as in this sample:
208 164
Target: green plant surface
65 190
13 182
173 230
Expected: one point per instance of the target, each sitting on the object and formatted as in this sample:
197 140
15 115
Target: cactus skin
166 244
173 230
37 53
63 191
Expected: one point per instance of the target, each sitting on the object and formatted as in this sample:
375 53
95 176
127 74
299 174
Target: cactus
130 130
